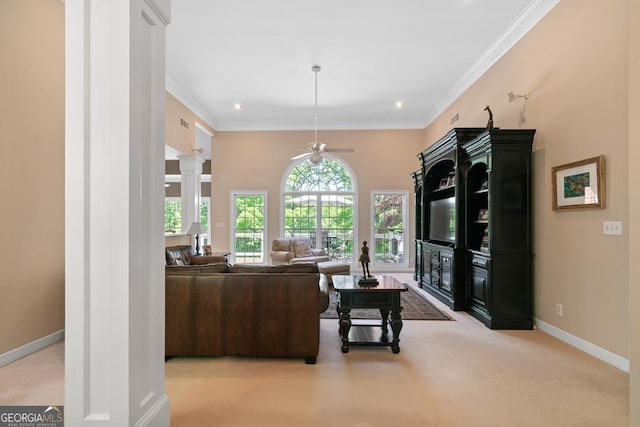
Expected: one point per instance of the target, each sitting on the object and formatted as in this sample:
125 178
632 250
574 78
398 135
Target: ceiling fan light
315 158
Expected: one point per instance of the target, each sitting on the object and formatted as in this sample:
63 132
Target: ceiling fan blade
301 156
338 150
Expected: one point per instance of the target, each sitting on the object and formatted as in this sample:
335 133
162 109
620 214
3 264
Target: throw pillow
302 248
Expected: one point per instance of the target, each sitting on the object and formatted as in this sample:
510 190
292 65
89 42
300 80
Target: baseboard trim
589 348
25 350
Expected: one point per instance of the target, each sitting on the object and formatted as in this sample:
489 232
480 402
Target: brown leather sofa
183 255
242 310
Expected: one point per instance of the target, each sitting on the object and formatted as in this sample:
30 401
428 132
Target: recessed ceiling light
399 104
238 106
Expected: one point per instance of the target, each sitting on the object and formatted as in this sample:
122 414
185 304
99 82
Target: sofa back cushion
178 255
285 268
281 245
219 267
301 247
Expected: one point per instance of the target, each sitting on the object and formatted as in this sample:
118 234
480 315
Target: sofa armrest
281 256
318 252
323 298
207 259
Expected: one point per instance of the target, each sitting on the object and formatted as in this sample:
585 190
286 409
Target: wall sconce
512 97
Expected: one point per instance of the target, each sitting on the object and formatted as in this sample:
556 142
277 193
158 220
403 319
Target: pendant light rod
316 68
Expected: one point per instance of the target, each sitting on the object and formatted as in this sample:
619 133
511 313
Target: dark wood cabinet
440 218
475 220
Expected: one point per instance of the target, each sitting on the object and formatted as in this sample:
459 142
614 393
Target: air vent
184 123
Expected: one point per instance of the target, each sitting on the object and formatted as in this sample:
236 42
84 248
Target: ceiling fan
315 148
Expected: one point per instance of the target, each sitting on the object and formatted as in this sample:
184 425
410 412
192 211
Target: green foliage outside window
172 216
249 227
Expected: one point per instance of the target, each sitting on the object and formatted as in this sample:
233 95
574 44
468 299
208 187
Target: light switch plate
612 228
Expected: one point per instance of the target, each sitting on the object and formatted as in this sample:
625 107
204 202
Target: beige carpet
446 374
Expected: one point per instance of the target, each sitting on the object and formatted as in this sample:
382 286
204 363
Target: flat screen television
442 220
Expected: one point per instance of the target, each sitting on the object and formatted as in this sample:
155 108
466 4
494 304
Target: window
318 203
172 215
389 227
248 233
205 203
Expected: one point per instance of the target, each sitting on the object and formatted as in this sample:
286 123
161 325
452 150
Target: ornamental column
114 197
190 190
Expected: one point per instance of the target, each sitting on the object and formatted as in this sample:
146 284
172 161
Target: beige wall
256 161
176 136
574 66
32 170
634 207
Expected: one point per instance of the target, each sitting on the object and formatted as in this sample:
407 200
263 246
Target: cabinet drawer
480 262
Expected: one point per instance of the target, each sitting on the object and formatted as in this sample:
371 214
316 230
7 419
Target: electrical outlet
612 228
559 309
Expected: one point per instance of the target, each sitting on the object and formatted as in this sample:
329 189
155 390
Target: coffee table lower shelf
369 335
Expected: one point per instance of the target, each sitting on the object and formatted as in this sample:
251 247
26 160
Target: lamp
315 158
196 229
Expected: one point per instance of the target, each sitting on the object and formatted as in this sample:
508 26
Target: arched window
318 202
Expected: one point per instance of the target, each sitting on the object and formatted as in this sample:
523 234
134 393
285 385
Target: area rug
414 307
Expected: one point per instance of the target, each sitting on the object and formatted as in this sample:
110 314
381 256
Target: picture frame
579 185
483 215
444 183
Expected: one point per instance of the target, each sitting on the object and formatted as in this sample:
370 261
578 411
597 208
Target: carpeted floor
414 307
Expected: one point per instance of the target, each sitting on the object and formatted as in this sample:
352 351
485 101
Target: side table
384 297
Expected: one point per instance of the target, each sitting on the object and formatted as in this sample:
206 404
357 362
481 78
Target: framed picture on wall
579 185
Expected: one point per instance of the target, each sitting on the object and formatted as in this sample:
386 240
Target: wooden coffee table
384 297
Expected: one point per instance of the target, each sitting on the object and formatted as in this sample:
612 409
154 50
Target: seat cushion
333 267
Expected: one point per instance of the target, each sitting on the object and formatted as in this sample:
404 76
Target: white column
190 190
114 292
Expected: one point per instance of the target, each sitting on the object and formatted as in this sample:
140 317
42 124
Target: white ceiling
373 53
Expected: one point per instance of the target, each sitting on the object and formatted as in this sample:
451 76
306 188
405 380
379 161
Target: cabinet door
426 265
417 275
478 279
446 271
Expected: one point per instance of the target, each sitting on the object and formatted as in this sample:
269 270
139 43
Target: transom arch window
318 201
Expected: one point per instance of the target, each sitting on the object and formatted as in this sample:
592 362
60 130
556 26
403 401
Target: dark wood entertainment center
474 224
